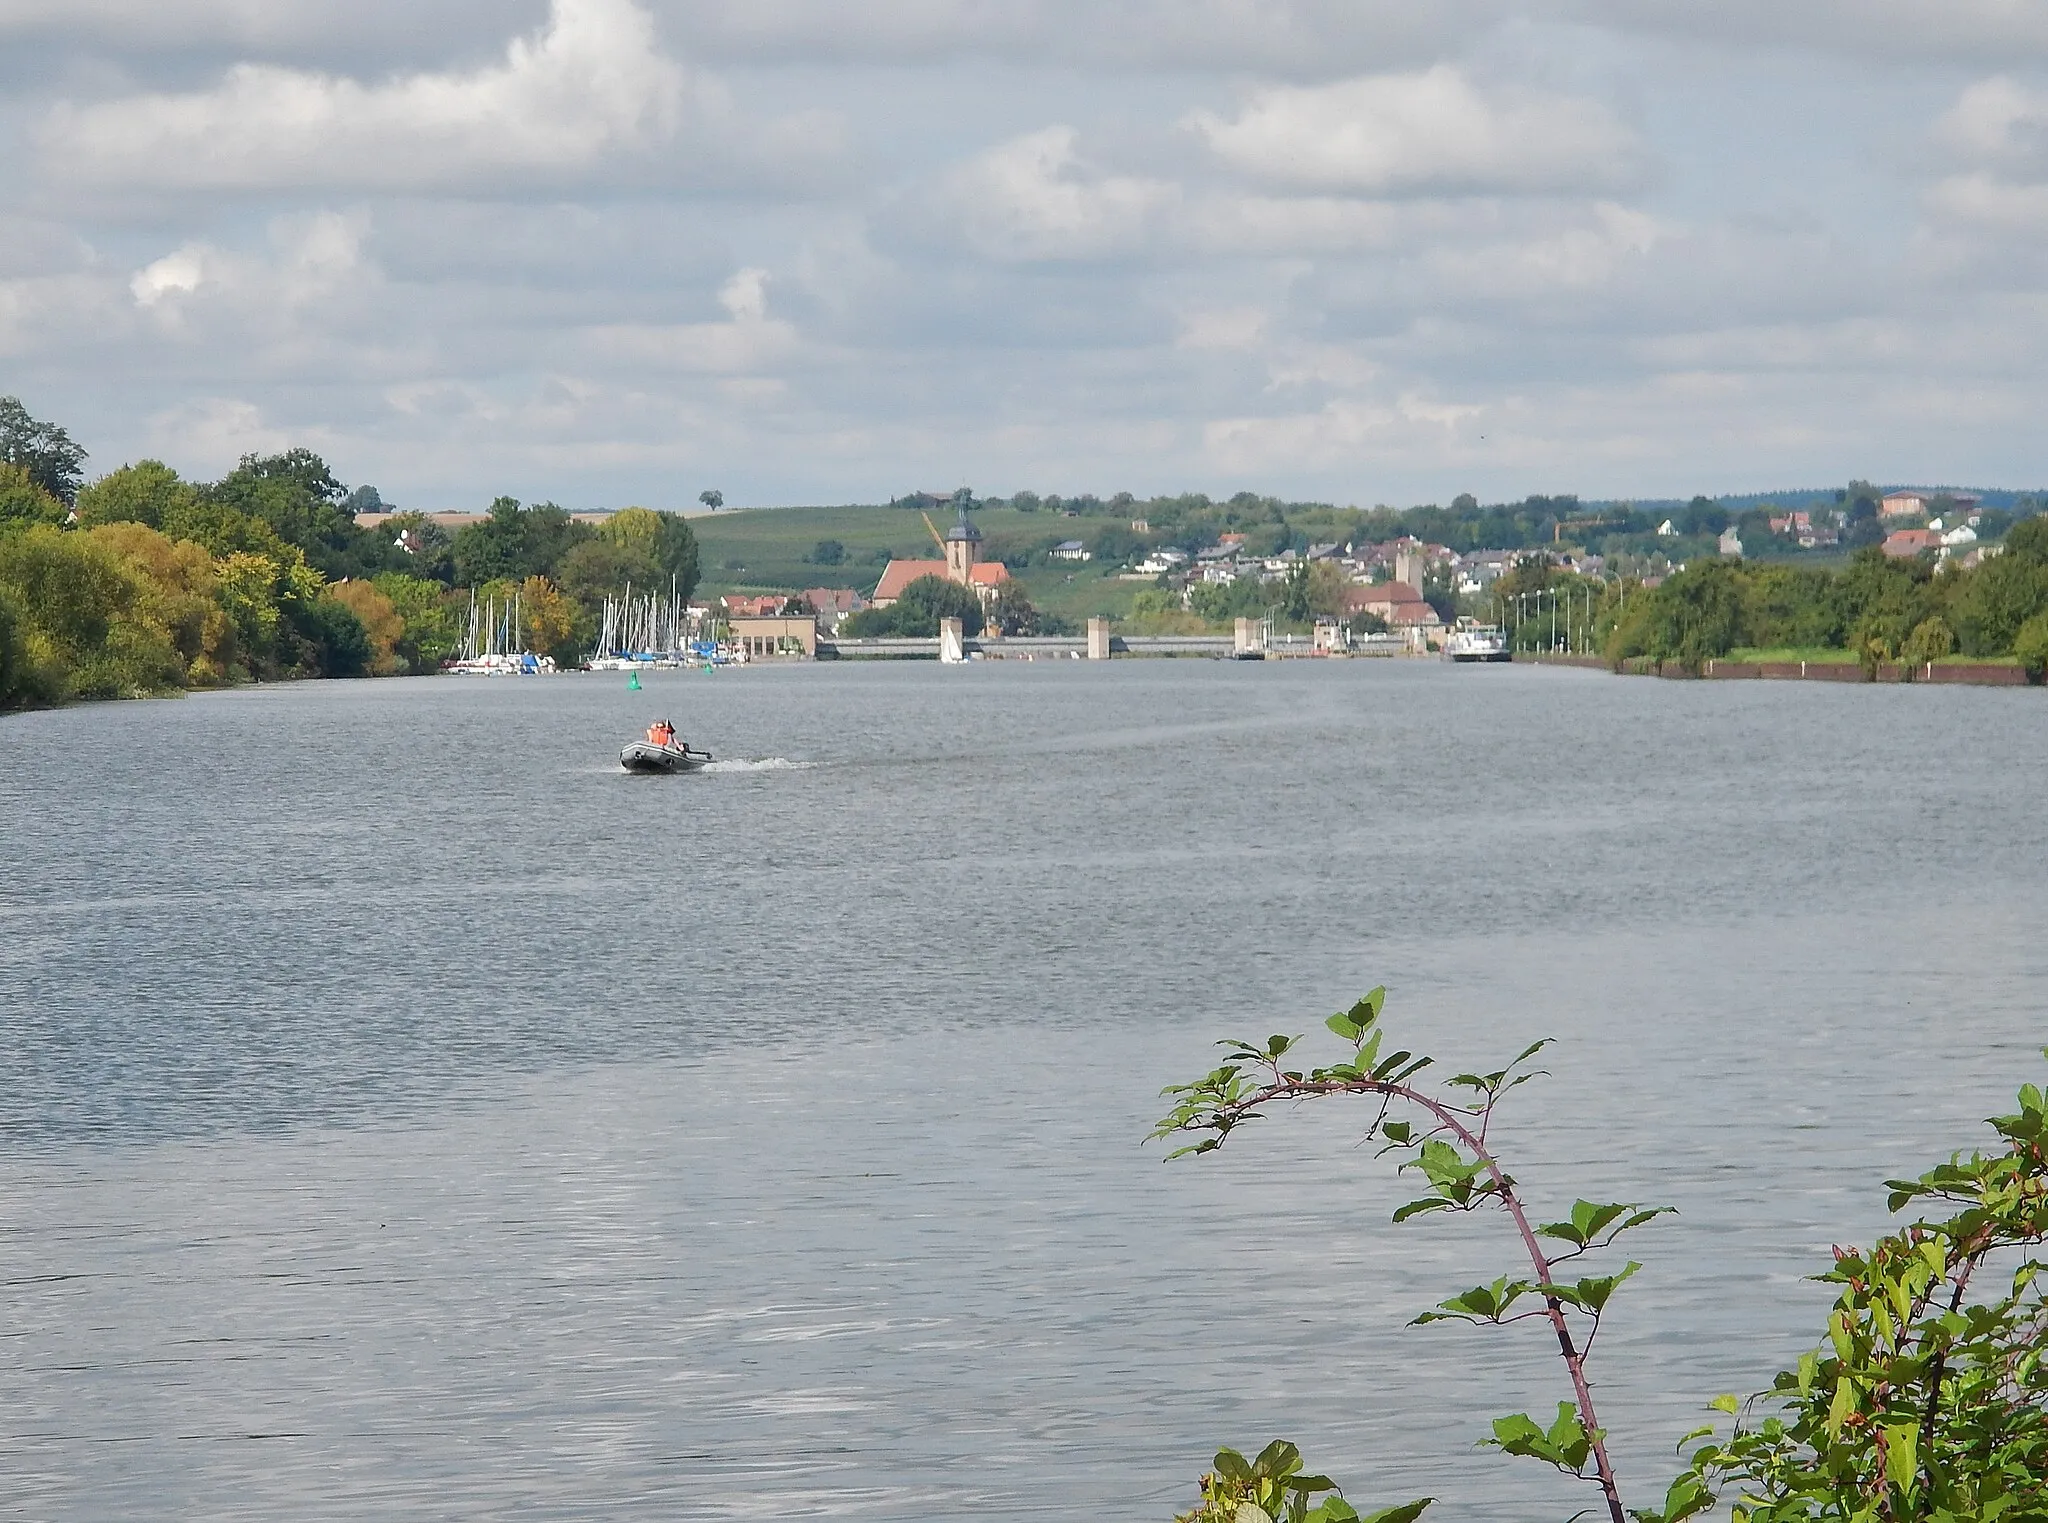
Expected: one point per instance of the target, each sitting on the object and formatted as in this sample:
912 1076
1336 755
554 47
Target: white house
1070 550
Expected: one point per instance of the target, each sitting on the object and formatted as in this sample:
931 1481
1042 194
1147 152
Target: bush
2031 646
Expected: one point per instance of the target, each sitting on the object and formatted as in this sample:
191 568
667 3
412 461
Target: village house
1907 543
738 605
831 604
1070 550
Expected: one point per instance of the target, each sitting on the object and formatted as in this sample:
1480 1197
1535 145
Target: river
404 1114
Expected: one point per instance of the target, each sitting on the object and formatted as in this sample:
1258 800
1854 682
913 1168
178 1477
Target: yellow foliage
632 529
380 621
178 594
548 616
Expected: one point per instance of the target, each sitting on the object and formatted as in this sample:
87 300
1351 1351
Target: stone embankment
1970 673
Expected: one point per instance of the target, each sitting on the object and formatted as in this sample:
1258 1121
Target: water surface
405 1114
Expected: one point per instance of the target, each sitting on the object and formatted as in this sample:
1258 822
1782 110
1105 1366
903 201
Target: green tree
1993 601
713 499
600 567
425 548
1695 616
826 552
44 450
665 539
916 612
513 543
2030 645
148 492
24 500
432 632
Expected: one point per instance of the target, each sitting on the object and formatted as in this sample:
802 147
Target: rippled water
405 1114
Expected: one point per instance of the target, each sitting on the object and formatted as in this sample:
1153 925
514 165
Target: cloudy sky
612 251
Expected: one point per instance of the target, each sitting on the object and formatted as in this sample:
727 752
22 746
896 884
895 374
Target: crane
937 538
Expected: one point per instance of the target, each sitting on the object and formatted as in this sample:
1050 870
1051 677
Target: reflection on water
409 1115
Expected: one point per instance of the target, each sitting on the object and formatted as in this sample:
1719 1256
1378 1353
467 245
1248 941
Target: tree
2030 645
296 494
1011 611
430 631
826 552
600 568
1329 586
714 499
513 543
147 492
382 626
1993 601
554 625
916 612
24 500
1695 616
44 450
324 638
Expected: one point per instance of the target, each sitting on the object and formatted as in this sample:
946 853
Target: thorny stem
1574 1358
1935 1375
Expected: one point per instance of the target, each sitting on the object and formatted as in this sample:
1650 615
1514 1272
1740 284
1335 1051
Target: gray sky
612 251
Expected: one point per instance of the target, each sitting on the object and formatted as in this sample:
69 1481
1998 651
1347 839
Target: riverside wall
1968 673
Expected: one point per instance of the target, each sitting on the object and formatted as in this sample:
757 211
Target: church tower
963 544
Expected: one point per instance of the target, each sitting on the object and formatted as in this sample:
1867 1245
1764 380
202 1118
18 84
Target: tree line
1876 607
144 582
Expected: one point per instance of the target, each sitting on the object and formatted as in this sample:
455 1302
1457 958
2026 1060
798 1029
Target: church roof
900 574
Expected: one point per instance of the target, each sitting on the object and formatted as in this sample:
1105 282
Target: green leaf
1396 1131
1345 1027
1901 1454
1417 1207
1277 1461
1407 1512
1233 1466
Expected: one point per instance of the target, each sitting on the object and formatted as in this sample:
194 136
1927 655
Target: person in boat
661 733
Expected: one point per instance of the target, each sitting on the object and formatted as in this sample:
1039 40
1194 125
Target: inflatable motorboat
646 756
661 751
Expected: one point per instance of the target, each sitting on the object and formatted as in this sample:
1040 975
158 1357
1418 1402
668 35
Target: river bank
1965 673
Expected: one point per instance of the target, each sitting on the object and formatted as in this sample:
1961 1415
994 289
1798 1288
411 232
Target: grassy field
762 548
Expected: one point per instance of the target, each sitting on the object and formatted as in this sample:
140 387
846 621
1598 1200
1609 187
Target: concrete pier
1098 639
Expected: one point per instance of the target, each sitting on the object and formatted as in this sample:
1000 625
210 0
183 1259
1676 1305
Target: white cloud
311 258
1435 132
591 84
750 342
1036 198
1997 131
1998 121
218 431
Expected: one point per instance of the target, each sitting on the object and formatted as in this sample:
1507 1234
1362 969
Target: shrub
2031 646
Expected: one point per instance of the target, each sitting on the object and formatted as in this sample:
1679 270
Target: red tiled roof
900 574
832 599
1414 613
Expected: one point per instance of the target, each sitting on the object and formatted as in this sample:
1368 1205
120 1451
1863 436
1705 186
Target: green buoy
633 683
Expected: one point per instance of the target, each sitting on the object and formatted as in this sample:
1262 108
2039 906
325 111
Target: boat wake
757 764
